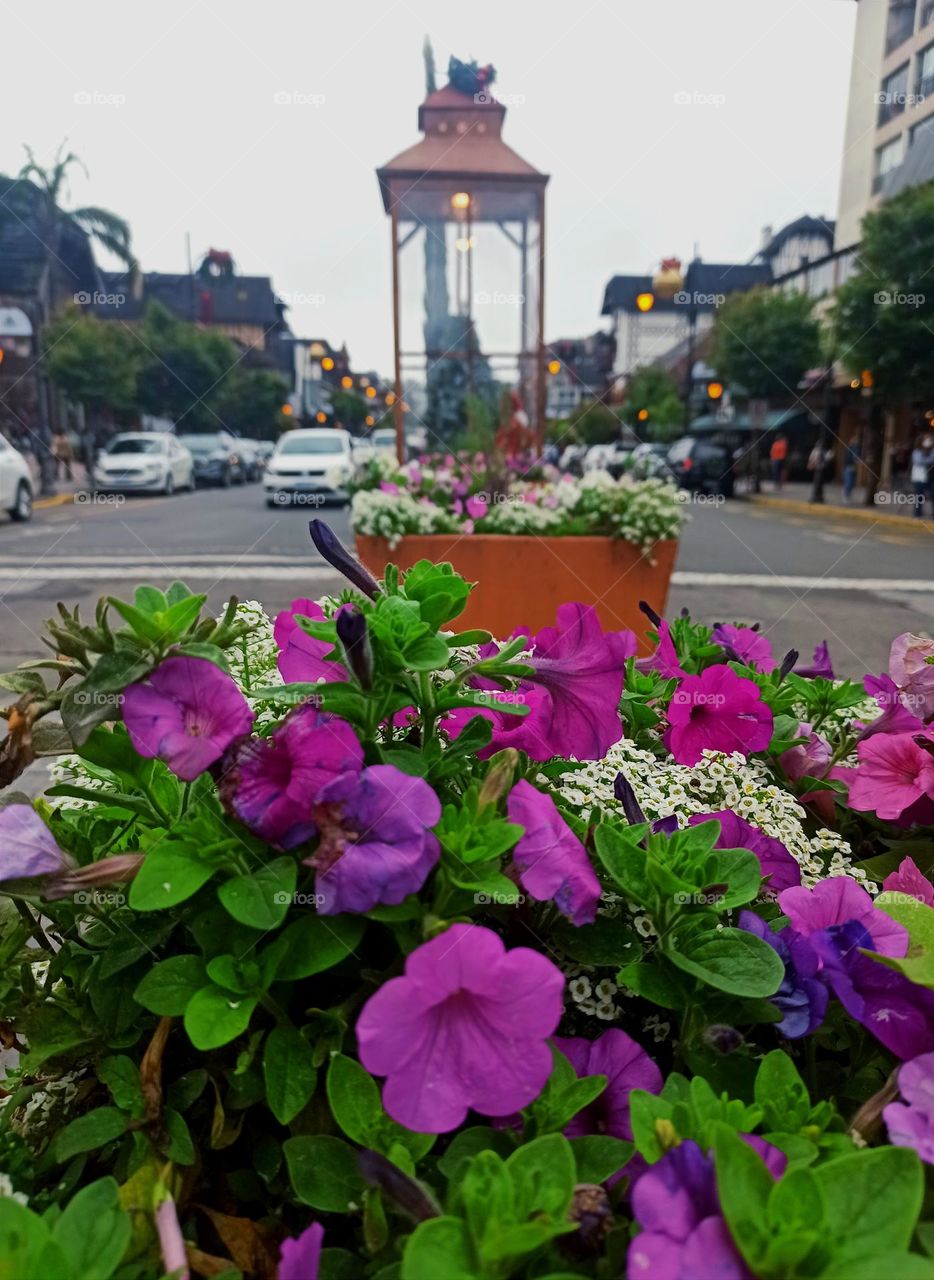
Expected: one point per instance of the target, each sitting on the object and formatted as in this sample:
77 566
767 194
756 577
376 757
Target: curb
57 500
829 511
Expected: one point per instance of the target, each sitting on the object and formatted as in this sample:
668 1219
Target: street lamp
346 382
645 301
327 364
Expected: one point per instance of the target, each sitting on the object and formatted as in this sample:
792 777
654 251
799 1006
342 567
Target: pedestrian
851 456
778 453
64 454
922 459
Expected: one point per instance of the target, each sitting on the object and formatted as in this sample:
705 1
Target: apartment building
889 138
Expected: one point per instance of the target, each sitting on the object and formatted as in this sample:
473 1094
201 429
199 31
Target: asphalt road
805 579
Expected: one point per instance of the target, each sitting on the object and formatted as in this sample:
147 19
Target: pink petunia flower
895 718
839 901
716 711
466 1026
665 658
911 1122
302 658
909 880
745 645
27 846
808 759
187 713
779 869
894 779
626 1066
475 507
300 1256
551 861
271 784
914 675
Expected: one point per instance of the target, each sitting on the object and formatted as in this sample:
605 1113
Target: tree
110 231
249 402
766 341
883 317
95 363
652 390
182 370
594 423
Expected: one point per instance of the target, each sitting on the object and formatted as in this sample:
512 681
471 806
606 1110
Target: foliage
883 314
593 422
765 341
198 1021
249 402
653 390
184 365
93 361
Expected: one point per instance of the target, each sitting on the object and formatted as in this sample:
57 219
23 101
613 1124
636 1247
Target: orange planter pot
522 580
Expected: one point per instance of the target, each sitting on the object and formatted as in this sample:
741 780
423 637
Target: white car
15 482
309 461
145 462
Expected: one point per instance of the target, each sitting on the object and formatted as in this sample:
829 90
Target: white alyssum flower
393 515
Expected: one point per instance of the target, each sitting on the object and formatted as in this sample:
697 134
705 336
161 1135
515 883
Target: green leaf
608 941
180 1148
427 653
543 1174
262 898
655 981
620 851
90 1131
169 985
744 1185
439 1248
26 1250
918 918
121 1076
313 944
289 1072
728 959
214 1017
873 1201
466 1143
324 1172
170 873
93 1231
354 1098
781 1093
598 1156
441 593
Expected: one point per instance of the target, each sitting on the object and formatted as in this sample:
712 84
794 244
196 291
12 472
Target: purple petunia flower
899 1013
894 779
837 901
552 862
187 713
802 997
683 1231
626 1066
270 784
665 658
300 1256
746 645
909 880
375 843
911 1122
779 869
911 671
821 667
808 759
716 711
895 718
303 658
466 1026
27 846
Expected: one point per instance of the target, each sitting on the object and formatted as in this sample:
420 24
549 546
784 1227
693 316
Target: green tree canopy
884 315
653 389
183 368
594 423
94 362
249 402
766 341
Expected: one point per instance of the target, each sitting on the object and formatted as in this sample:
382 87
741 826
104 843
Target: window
888 158
925 73
919 129
901 23
894 94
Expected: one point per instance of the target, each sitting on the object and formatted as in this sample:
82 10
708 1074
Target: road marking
155 568
688 578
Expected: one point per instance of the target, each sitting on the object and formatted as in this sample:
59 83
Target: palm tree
110 231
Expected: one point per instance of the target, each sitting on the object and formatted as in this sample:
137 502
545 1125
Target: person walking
777 455
64 454
851 456
922 460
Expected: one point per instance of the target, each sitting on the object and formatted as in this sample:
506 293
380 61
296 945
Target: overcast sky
172 107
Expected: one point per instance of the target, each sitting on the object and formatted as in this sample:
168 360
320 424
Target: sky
257 128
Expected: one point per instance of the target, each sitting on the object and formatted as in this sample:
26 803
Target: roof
775 418
707 280
806 225
462 137
28 248
221 300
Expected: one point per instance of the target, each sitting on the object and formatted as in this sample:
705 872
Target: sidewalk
891 507
65 490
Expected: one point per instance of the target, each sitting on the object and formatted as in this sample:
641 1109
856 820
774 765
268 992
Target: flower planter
521 581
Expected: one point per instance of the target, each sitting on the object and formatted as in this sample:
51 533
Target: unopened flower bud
667 1134
723 1039
499 777
353 635
336 554
622 789
590 1209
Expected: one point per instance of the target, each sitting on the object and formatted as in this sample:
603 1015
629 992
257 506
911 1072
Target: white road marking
154 568
688 578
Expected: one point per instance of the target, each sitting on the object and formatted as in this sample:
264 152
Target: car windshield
384 437
201 444
311 444
136 444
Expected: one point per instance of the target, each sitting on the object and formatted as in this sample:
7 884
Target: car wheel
22 511
225 479
169 487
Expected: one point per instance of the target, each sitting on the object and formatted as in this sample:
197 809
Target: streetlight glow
460 200
645 301
327 364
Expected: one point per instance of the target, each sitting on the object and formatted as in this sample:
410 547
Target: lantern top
463 140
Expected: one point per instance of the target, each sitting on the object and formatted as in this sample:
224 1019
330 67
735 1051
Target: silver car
145 462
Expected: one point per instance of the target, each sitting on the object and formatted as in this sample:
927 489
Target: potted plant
529 539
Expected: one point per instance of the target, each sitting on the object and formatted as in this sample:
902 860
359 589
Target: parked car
309 461
145 462
383 440
15 482
572 459
702 465
613 457
253 463
650 459
216 458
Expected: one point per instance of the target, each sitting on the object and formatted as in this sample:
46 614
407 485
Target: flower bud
723 1039
624 793
353 635
333 550
499 777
